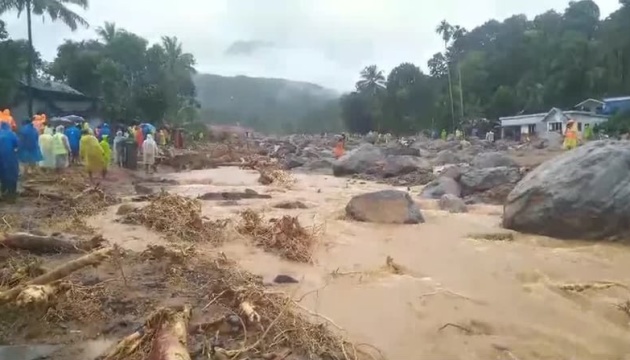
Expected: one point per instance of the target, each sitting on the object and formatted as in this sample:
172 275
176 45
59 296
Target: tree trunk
450 87
29 68
461 91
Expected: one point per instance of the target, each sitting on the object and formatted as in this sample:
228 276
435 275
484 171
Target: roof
522 119
590 100
585 113
52 86
620 98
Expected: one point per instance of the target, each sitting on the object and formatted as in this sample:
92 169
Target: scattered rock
478 180
440 186
285 279
404 164
234 195
125 209
452 204
290 205
446 157
493 159
581 194
358 161
142 189
385 206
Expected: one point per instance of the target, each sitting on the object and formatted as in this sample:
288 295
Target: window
579 126
555 126
531 129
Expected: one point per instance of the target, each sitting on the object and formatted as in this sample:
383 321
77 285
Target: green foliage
618 124
504 68
132 80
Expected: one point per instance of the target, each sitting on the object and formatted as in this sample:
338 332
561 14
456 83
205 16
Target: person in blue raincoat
73 133
105 131
29 152
9 165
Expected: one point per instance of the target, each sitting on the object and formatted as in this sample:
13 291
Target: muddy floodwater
458 295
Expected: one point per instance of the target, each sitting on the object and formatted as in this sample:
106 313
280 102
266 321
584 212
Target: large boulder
358 161
493 159
446 157
582 194
476 180
401 150
441 186
404 164
452 204
385 206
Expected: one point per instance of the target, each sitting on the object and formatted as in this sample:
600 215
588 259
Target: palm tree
107 32
458 33
446 31
55 10
372 79
176 58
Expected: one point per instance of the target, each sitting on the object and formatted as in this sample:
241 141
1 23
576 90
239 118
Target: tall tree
55 10
445 30
372 80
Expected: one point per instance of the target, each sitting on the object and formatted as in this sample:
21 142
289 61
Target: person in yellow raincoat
92 155
46 146
107 150
570 136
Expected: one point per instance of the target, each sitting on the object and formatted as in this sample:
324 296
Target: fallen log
49 244
60 272
166 329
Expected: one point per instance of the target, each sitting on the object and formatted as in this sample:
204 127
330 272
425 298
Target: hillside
274 105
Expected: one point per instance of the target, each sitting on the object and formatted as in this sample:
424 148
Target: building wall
20 111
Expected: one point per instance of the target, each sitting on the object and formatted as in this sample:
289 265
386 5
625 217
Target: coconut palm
107 32
372 79
446 31
176 58
55 10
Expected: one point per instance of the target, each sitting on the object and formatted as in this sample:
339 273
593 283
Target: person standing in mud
149 154
29 152
92 155
339 147
9 164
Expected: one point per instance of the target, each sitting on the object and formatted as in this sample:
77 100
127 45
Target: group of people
40 145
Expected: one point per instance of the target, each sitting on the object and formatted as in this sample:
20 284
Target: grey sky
321 41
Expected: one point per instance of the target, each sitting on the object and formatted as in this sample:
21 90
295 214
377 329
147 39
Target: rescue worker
339 147
570 136
443 135
46 146
149 153
107 150
9 164
29 152
74 138
119 148
91 154
61 148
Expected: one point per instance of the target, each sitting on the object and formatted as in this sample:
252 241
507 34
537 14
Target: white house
554 120
590 105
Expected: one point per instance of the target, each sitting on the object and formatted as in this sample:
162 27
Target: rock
385 206
292 162
27 352
125 209
285 279
318 164
358 161
581 194
441 186
401 151
446 157
404 164
477 180
142 189
493 159
452 204
290 205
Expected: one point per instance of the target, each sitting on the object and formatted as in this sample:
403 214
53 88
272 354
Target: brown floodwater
457 298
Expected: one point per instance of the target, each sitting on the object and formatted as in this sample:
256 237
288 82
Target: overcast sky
321 41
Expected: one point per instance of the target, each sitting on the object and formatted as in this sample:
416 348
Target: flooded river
457 298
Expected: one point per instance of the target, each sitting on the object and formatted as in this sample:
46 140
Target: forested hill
273 105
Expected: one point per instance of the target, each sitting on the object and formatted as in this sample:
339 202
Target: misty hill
265 104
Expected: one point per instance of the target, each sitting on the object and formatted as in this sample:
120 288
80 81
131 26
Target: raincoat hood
48 131
5 126
60 129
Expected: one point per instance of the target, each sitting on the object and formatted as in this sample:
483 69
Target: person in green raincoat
587 135
107 150
443 135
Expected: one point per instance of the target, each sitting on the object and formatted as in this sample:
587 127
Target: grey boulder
358 161
441 186
493 159
582 194
478 180
452 204
404 164
385 207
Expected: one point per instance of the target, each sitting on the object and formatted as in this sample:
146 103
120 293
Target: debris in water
498 236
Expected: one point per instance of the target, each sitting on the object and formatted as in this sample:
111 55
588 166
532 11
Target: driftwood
234 195
60 272
51 244
166 328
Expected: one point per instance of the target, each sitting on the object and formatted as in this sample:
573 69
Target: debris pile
284 236
179 218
